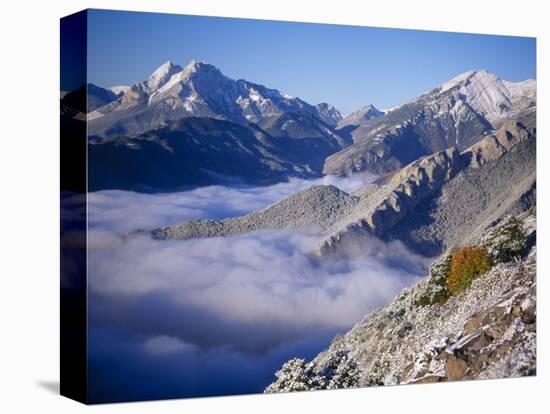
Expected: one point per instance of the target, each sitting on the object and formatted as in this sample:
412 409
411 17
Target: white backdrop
29 172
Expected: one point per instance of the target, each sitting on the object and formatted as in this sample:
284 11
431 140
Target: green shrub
434 289
466 264
378 371
506 240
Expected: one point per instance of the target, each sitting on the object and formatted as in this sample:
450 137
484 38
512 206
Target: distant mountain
300 128
354 120
198 151
96 98
328 113
457 113
198 90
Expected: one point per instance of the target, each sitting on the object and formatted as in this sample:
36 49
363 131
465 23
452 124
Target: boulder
456 368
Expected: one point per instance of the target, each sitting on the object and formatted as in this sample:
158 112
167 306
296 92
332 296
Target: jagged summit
161 75
165 68
198 66
466 76
198 89
329 113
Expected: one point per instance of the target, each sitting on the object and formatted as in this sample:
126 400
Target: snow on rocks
469 336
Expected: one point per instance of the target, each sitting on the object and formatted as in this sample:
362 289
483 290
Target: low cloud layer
123 211
251 301
258 290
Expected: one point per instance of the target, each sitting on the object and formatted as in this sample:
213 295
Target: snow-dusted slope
199 89
428 334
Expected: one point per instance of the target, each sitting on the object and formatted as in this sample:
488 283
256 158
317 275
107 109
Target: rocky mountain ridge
388 208
298 139
389 201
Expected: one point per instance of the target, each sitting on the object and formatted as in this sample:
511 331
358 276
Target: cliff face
427 334
440 199
389 204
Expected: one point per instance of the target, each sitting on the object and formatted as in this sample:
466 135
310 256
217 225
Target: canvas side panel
73 369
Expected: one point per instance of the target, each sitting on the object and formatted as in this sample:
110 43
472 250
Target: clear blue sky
347 66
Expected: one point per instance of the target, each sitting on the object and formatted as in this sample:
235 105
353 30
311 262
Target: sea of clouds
219 315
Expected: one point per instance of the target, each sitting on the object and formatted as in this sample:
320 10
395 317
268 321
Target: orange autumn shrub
467 263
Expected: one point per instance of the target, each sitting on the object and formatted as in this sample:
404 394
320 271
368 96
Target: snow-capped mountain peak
161 75
198 89
488 94
465 77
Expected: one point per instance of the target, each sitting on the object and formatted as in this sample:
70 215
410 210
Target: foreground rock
486 331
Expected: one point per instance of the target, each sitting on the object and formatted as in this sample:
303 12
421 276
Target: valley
233 224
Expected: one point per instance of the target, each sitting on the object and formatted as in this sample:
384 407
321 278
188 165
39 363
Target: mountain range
456 113
192 125
199 151
200 90
482 197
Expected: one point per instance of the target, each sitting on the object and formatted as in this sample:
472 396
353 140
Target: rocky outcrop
383 209
487 330
442 199
491 185
497 144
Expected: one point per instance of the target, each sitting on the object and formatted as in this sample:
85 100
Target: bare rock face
399 197
497 144
456 368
